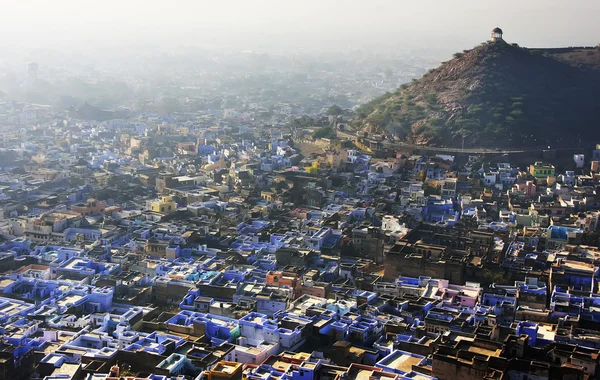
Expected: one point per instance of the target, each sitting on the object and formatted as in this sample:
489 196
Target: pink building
528 188
91 207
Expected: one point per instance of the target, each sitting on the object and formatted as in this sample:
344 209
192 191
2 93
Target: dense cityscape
223 217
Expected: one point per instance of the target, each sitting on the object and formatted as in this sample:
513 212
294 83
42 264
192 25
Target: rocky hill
494 95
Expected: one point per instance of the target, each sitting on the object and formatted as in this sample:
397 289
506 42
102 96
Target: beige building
163 205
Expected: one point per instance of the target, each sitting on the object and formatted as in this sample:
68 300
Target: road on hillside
401 145
397 145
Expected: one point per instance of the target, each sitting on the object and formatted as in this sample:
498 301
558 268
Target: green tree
323 132
493 278
334 110
431 98
431 190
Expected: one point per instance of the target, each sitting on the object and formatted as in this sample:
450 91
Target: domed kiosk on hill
496 34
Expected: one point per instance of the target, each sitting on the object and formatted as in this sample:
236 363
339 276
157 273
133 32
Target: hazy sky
264 24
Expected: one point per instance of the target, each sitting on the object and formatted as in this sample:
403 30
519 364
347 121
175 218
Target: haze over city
268 25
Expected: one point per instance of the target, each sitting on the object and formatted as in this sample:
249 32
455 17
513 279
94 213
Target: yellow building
314 168
226 371
164 205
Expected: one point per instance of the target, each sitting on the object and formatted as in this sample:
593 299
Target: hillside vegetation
496 94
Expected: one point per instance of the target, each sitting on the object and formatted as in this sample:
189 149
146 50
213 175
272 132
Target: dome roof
497 30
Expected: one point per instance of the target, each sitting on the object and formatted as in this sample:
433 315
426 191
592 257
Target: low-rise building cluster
160 248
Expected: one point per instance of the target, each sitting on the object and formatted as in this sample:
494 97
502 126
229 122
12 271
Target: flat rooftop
401 361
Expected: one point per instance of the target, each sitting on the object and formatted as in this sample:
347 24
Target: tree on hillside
334 110
324 132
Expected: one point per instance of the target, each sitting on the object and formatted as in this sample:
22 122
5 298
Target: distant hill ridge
497 94
89 112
